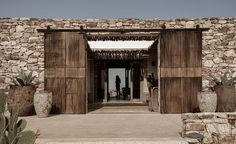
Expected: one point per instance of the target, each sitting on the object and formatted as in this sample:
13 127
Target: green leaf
21 124
230 82
28 79
2 124
21 82
12 130
27 137
215 79
224 79
3 139
15 82
31 80
3 98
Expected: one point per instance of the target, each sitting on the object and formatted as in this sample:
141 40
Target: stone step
119 109
113 141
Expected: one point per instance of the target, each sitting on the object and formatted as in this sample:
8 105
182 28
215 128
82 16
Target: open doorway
118 84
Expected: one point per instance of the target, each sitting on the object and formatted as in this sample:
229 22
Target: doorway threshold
124 103
116 107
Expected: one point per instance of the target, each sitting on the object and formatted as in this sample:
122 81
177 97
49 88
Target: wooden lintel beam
119 30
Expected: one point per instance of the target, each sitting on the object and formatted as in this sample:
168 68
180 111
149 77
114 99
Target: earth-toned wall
22 46
213 128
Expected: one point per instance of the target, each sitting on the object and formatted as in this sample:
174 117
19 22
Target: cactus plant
12 129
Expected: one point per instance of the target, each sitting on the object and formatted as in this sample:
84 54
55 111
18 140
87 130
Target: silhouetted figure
118 86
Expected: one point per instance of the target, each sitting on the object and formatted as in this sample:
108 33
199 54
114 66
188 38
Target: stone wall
214 127
22 46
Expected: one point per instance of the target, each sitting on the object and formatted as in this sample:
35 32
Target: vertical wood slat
180 63
75 73
54 69
55 50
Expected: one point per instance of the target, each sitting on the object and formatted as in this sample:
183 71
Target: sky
101 9
112 72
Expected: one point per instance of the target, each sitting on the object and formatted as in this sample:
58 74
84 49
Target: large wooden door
65 71
180 70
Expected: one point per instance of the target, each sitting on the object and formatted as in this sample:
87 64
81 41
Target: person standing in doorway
118 86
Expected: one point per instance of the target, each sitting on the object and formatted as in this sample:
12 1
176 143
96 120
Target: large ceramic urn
43 103
207 101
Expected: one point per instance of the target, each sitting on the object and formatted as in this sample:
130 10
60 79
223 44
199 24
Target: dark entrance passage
136 80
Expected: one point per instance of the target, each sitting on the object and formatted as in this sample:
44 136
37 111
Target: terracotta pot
207 101
43 103
226 98
23 96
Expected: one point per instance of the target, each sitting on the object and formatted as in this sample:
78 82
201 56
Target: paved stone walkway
108 128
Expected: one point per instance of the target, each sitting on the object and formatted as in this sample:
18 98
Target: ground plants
12 129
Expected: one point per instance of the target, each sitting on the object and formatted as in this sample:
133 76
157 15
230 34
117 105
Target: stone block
32 60
229 53
218 128
194 127
208 63
189 116
19 28
206 115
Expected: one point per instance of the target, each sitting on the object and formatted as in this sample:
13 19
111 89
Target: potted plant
152 83
22 92
43 103
225 90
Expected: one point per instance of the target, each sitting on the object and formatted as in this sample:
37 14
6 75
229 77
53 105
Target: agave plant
224 80
24 79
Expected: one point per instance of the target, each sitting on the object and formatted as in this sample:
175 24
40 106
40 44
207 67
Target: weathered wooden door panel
57 86
65 59
55 47
180 70
172 99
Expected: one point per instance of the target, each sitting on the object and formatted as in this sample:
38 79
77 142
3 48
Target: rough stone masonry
22 46
214 127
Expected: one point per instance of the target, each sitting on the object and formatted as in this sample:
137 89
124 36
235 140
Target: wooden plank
171 95
190 87
75 72
81 107
57 87
70 103
72 50
54 72
60 72
181 72
72 86
64 66
55 50
120 30
82 52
